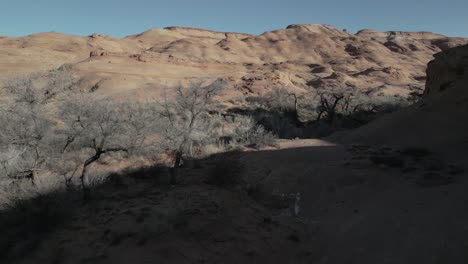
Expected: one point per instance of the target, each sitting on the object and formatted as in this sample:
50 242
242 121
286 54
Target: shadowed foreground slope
357 205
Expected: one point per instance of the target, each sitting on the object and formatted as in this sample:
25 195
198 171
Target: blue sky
123 17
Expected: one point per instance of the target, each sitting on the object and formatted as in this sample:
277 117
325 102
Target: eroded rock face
98 53
438 122
448 69
300 58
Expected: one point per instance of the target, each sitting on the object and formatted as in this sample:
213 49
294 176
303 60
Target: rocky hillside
299 57
436 123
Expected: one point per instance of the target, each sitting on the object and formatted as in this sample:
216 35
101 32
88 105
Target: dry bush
335 103
257 101
52 127
94 127
278 99
261 138
282 100
186 122
248 133
28 116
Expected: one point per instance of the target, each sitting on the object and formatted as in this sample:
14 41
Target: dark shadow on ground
354 205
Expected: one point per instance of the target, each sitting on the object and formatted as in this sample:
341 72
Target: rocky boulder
448 69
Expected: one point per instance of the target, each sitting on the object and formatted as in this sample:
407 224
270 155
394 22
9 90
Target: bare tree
186 121
333 101
26 115
353 104
94 126
49 125
281 99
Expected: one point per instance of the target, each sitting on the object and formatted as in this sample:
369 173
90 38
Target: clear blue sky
123 17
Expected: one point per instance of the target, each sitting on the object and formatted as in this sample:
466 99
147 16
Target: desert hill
438 121
298 57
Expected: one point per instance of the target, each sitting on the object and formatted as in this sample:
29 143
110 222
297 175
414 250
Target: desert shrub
261 138
276 111
338 108
279 123
50 126
281 99
247 132
257 101
321 111
333 104
27 115
95 127
186 122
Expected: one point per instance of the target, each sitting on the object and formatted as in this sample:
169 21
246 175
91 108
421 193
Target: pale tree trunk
174 169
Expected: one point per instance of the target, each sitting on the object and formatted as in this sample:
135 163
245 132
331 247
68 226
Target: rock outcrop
447 70
438 122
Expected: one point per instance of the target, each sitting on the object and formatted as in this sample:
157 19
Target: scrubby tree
281 99
248 132
186 120
50 125
346 102
93 126
333 101
27 110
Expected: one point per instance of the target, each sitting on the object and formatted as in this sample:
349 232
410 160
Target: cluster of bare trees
94 126
26 132
330 103
352 103
320 112
51 126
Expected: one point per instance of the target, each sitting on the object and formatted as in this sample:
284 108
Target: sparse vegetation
94 126
247 132
350 105
321 111
55 129
186 122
